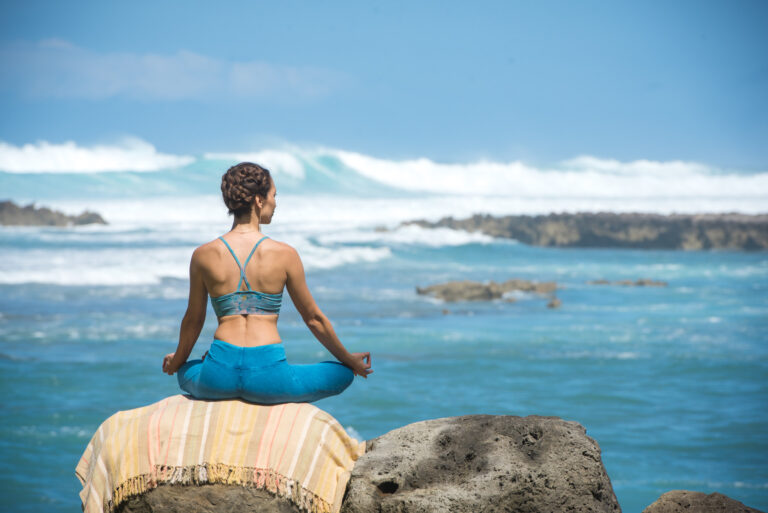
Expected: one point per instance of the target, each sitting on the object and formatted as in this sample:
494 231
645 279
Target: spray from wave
336 207
135 169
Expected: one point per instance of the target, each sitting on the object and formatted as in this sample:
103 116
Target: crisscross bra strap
242 267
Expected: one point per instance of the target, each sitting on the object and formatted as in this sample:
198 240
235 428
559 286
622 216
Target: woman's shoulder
279 248
206 253
215 247
208 247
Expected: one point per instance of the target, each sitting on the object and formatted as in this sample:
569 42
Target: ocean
671 381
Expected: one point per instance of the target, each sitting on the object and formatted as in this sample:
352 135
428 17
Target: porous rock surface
684 501
212 498
482 463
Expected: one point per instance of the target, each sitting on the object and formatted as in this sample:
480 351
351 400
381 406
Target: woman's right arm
194 318
316 321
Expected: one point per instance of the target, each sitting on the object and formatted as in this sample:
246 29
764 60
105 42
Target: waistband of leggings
259 355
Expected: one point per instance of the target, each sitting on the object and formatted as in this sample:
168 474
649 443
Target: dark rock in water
12 214
644 231
482 463
554 303
642 282
684 501
475 291
214 498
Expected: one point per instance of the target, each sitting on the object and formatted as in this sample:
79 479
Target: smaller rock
684 501
554 303
467 290
644 282
544 287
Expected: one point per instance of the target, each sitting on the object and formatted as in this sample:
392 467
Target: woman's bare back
265 272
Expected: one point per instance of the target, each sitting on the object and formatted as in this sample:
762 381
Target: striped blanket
294 450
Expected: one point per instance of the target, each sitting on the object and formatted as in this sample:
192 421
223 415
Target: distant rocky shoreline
12 214
603 230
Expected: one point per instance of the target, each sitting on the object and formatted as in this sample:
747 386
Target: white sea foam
319 257
88 265
582 177
599 355
406 235
583 183
276 161
94 266
130 154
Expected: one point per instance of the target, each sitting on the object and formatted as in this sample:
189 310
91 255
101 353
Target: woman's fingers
167 363
362 365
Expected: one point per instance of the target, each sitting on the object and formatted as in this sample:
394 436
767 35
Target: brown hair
241 184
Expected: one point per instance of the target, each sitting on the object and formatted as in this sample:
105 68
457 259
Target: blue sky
451 81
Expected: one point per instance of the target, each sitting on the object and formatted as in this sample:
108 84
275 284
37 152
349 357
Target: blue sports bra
246 301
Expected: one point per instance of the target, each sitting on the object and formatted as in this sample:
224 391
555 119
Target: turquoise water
672 382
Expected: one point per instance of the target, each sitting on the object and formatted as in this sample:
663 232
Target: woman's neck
246 224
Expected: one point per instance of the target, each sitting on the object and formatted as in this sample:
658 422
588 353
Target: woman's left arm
194 318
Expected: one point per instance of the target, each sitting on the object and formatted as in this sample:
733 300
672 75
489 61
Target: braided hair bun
241 184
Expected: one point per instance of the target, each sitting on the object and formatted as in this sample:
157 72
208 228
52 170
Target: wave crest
130 154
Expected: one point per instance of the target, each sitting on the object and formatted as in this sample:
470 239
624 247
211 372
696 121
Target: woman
247 358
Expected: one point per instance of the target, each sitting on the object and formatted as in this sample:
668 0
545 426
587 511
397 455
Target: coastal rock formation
644 231
684 501
475 291
215 498
12 214
554 303
482 463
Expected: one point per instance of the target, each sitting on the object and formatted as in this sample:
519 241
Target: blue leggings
260 375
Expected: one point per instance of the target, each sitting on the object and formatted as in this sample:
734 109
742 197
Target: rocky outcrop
482 463
474 463
214 498
684 501
643 231
476 291
12 214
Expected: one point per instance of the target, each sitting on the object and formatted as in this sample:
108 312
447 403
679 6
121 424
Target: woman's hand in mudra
361 364
167 363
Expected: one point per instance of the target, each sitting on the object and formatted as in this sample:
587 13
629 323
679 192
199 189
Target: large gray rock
482 463
644 231
214 498
684 501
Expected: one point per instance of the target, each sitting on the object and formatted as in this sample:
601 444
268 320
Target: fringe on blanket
260 478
